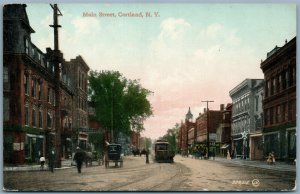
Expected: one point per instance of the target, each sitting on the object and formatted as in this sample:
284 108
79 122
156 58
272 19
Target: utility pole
207 120
112 113
56 59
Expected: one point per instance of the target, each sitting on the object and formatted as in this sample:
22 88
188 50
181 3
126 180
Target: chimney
204 110
222 107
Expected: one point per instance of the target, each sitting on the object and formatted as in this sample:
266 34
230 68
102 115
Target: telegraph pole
56 59
207 120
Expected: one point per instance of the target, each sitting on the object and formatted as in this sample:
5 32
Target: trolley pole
207 120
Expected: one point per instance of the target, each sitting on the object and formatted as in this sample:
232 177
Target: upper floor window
41 119
256 103
49 120
6 84
27 115
33 89
40 90
33 117
26 46
6 109
26 84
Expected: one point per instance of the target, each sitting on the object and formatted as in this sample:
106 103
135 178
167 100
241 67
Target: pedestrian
79 157
52 156
42 161
272 156
147 156
228 155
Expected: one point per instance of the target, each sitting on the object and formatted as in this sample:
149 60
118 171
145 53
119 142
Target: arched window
49 120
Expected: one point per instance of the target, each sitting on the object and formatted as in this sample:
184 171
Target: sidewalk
279 166
36 167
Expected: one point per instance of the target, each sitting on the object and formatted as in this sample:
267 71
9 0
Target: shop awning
225 146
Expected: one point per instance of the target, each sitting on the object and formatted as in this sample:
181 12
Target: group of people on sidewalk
79 158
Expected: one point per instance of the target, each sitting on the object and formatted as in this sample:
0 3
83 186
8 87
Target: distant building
279 104
186 134
225 130
243 115
215 119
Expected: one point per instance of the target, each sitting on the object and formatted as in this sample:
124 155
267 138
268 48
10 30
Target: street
185 174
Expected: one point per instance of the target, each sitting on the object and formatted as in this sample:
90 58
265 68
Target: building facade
243 118
279 104
30 94
79 72
225 131
208 129
256 139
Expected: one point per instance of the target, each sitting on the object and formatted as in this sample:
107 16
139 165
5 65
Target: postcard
145 97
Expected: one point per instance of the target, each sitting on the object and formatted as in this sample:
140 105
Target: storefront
34 147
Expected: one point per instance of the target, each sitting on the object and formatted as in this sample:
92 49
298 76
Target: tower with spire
189 115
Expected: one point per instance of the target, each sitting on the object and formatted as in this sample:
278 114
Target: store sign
212 136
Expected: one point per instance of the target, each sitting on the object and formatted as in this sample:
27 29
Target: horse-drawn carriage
113 154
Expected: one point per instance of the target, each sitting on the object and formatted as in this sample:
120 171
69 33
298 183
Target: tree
121 104
171 136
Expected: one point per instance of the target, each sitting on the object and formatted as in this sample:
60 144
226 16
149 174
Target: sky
186 54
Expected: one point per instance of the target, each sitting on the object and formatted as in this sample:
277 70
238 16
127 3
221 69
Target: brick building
225 130
79 72
186 134
202 129
279 104
29 94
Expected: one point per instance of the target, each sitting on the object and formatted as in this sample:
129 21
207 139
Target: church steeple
189 115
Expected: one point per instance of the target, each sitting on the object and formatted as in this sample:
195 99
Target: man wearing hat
79 157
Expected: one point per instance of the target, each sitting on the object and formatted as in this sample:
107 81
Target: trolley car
163 152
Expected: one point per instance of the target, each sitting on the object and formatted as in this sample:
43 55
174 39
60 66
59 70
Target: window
278 114
48 95
27 115
280 83
256 103
33 89
33 117
293 76
33 52
49 120
41 121
26 84
271 115
40 90
287 78
6 109
6 84
268 89
26 46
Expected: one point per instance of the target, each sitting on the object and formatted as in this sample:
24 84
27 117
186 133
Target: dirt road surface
185 174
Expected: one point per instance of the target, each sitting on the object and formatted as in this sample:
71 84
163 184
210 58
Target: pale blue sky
192 52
